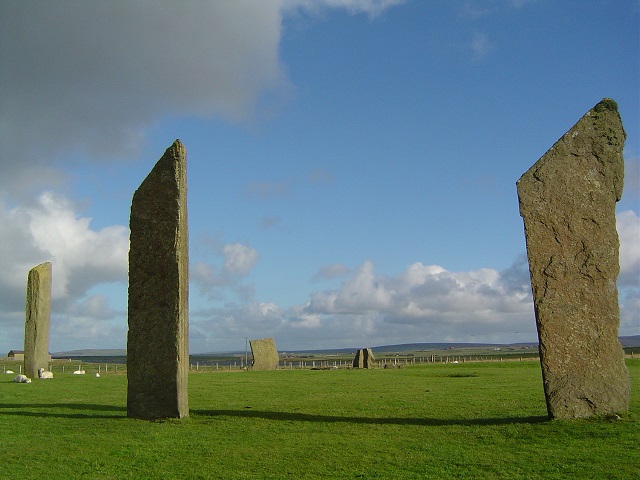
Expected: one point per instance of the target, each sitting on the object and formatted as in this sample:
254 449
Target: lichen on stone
606 104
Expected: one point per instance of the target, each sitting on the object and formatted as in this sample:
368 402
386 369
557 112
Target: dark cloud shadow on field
306 417
89 410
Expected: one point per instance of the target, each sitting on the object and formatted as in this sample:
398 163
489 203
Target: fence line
64 367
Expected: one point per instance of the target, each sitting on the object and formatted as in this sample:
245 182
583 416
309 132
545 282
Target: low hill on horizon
626 341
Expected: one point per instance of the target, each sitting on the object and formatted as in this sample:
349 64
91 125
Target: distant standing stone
264 353
158 308
38 319
567 201
364 358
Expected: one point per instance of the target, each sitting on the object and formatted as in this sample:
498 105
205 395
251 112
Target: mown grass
472 420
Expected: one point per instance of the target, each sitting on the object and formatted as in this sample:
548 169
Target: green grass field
473 420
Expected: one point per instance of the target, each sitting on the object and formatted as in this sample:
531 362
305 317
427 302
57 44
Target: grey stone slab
364 358
38 320
158 308
264 353
567 201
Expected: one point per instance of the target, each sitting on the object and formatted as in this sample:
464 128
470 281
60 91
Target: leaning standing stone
567 201
364 358
158 309
264 353
358 360
38 318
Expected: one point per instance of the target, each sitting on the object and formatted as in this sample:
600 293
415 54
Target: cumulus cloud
224 328
321 176
94 76
478 9
328 272
270 222
51 230
628 225
267 190
239 259
631 179
370 7
95 307
216 279
630 312
424 294
421 303
480 45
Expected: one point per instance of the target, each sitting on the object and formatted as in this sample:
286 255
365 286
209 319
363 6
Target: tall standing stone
38 318
567 201
158 337
264 353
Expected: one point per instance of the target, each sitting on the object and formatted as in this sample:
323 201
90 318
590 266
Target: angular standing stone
265 354
158 310
364 358
567 201
38 318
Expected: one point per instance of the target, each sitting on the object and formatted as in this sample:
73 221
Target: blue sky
351 163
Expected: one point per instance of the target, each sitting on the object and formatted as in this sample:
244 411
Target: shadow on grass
89 410
305 417
60 410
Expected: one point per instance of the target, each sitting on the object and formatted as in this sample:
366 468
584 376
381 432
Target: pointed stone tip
606 104
43 266
176 149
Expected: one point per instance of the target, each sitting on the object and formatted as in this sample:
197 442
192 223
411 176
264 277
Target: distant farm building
16 354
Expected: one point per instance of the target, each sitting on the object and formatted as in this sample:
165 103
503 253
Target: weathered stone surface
264 353
38 318
358 360
364 358
158 310
567 201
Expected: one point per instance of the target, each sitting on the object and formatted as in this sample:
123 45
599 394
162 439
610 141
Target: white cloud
95 307
94 76
628 225
421 303
215 280
424 294
239 259
631 179
82 258
370 7
224 328
630 312
73 332
270 222
334 270
268 190
480 45
477 9
51 230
